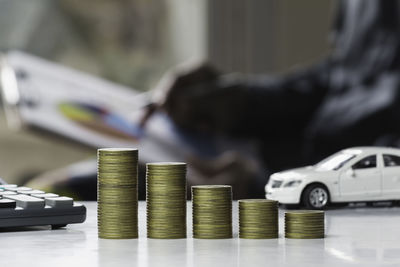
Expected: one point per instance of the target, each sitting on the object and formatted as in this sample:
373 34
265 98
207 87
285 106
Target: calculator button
59 202
7 203
7 193
6 186
26 202
30 192
46 195
16 189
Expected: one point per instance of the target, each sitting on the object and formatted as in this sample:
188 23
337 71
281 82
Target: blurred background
133 42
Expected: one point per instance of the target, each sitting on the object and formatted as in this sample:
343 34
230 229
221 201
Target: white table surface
355 236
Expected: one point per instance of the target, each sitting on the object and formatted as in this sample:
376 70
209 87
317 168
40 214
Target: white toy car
359 174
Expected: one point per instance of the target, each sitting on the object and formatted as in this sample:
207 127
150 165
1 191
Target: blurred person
349 99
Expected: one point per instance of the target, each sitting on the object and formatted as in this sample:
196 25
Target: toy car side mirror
351 172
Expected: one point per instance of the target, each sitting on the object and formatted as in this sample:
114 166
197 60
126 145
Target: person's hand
198 97
179 87
181 90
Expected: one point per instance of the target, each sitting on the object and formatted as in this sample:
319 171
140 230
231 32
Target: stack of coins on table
117 177
212 211
258 219
305 224
166 200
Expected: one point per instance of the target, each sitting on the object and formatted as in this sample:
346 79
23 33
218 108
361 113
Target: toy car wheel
315 197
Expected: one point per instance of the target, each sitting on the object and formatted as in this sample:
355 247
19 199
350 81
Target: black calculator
24 206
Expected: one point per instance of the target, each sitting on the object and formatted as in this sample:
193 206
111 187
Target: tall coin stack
258 219
212 211
166 200
117 176
305 224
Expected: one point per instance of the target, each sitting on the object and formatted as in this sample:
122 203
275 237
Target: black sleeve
274 106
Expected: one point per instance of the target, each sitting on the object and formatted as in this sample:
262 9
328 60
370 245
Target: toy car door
391 175
362 180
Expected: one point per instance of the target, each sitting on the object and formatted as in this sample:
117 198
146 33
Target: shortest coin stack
258 218
212 211
305 224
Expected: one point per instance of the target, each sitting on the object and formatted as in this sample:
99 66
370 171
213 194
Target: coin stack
305 224
166 200
212 211
258 218
117 175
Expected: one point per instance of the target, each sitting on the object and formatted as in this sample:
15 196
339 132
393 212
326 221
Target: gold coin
258 218
166 200
117 170
212 211
305 224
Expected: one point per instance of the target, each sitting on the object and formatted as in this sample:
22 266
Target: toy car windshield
334 162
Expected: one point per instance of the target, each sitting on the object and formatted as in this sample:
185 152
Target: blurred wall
134 41
264 36
303 32
187 29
